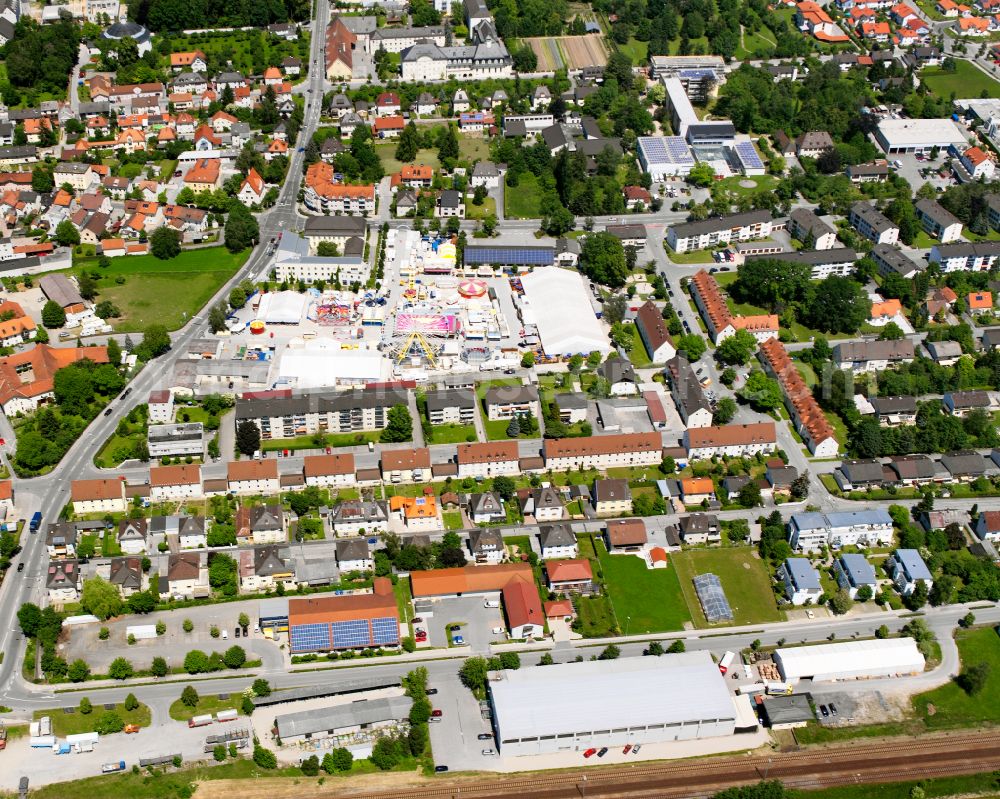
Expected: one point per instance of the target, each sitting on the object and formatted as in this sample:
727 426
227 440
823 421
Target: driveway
475 619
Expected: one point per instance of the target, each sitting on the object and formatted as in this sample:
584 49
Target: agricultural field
744 578
967 80
569 52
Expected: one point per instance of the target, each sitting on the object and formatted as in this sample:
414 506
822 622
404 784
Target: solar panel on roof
536 256
748 155
713 598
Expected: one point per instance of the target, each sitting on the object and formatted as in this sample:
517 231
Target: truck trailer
111 768
201 721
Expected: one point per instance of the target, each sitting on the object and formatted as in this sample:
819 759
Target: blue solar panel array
748 155
513 256
385 631
351 633
309 637
666 150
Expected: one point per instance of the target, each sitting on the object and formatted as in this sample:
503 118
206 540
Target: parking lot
83 641
475 620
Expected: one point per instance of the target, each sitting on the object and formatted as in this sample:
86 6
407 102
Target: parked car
431 691
485 736
636 748
439 769
627 749
236 632
824 711
20 566
833 709
489 752
437 713
602 751
590 753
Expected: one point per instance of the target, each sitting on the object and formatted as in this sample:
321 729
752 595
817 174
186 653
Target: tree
78 670
155 342
261 687
101 598
241 229
692 345
602 259
264 758
187 625
882 631
339 759
53 315
654 649
839 305
918 597
725 411
528 359
676 647
409 143
891 332
737 349
29 617
235 657
448 145
66 234
399 425
195 662
864 594
131 703
41 180
165 243
473 674
841 602
750 495
513 428
109 722
189 696
974 678
504 486
217 317
237 298
328 249
762 392
158 668
247 437
108 310
701 174
219 753
86 708
610 652
120 669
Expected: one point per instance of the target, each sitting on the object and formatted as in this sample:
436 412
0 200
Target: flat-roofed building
575 706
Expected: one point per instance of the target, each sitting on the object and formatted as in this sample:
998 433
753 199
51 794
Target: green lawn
767 182
953 707
452 433
644 600
693 257
162 292
473 148
387 155
209 703
752 43
473 211
984 785
332 440
635 50
75 723
167 169
637 352
966 81
452 519
521 201
744 578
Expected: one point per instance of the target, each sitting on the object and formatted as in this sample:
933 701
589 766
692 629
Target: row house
329 471
253 477
488 459
720 321
176 482
809 419
734 441
103 495
872 356
360 517
811 531
603 452
408 465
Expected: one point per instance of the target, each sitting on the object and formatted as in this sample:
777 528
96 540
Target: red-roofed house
253 189
977 164
387 104
570 576
195 61
525 617
812 17
388 127
876 31
980 301
635 195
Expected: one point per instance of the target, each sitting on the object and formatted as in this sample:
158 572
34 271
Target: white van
491 603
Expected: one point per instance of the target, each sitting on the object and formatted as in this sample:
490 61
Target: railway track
888 761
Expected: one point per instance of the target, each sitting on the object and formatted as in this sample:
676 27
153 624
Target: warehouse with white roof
574 706
557 303
918 135
850 660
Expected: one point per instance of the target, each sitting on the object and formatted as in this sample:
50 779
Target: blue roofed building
908 569
854 571
801 581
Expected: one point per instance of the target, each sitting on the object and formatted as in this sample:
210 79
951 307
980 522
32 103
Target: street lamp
628 621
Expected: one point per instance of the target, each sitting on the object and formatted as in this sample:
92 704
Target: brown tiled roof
488 452
627 532
602 445
321 465
181 474
102 488
468 579
807 410
406 459
264 469
732 434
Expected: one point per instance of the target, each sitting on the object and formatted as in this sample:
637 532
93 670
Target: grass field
75 723
332 440
473 211
206 704
453 433
984 785
966 81
521 201
452 519
752 43
635 50
637 352
469 149
693 257
744 578
766 182
644 600
953 707
162 292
